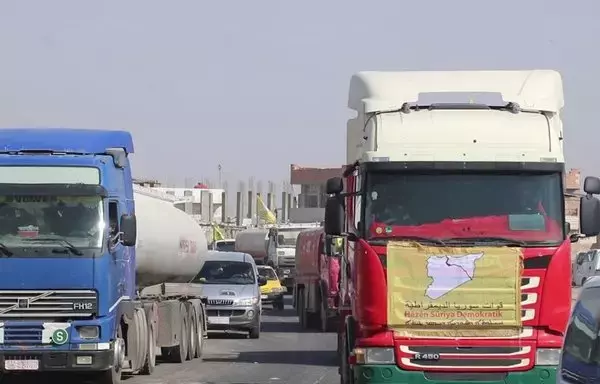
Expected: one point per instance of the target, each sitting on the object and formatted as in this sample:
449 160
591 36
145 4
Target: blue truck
93 272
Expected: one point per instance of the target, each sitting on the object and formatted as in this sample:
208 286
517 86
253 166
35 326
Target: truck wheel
324 320
191 331
150 362
113 375
301 310
178 353
200 338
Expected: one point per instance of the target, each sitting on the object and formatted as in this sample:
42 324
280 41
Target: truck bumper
392 374
64 361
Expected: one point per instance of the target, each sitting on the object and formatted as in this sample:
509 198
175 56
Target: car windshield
526 206
225 246
286 238
267 273
226 272
581 344
45 221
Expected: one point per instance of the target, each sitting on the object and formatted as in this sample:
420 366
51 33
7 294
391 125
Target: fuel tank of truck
253 241
171 246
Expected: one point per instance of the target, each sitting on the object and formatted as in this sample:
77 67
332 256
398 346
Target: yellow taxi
272 292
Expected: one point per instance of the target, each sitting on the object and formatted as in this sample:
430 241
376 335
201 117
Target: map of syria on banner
454 292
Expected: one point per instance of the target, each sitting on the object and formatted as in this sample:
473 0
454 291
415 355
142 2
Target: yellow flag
217 233
263 212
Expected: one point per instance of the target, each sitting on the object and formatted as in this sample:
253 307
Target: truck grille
514 354
287 261
48 304
22 334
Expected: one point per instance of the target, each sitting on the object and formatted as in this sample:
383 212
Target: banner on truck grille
454 292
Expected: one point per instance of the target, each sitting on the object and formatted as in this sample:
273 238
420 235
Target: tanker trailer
255 242
171 248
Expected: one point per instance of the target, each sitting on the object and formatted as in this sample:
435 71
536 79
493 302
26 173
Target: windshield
225 246
267 273
226 272
46 221
523 207
286 238
581 339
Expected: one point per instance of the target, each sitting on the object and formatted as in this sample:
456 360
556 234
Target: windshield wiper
65 243
486 240
5 250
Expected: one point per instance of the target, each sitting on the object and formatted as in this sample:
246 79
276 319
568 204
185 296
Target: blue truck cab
67 250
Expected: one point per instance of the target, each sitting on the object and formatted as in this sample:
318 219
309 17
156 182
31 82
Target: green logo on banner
60 337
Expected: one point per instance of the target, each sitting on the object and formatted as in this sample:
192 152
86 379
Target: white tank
252 241
171 247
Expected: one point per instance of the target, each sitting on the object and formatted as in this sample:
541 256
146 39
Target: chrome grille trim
48 304
220 302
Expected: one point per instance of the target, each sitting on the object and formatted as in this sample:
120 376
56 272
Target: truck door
120 254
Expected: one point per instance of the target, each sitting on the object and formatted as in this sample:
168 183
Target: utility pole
219 168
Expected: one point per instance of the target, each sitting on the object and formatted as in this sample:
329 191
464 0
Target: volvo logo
23 303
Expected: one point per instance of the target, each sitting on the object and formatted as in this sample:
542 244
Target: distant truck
225 245
80 241
274 246
316 290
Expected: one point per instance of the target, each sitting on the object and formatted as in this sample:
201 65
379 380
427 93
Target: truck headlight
374 355
246 301
547 356
88 332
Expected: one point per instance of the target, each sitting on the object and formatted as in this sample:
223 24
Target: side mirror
591 185
334 216
128 230
262 281
334 186
589 215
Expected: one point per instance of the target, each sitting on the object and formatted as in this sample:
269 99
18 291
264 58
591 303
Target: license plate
218 320
21 365
263 297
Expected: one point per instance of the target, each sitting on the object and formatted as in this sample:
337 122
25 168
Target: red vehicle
434 194
317 282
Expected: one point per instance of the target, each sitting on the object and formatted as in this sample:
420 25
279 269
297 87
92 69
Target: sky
258 85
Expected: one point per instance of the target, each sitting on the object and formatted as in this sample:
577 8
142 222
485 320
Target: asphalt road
283 354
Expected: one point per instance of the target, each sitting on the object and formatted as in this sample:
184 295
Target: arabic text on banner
454 292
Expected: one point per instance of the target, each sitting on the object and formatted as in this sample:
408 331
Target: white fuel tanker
255 242
171 249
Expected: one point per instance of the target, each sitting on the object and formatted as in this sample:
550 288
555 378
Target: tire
324 323
191 332
200 337
178 353
302 318
113 375
150 362
279 304
346 376
254 332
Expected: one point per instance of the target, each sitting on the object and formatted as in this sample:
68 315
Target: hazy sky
257 85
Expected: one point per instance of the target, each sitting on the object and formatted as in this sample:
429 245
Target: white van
586 265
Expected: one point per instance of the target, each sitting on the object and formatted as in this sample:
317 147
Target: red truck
317 282
458 256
